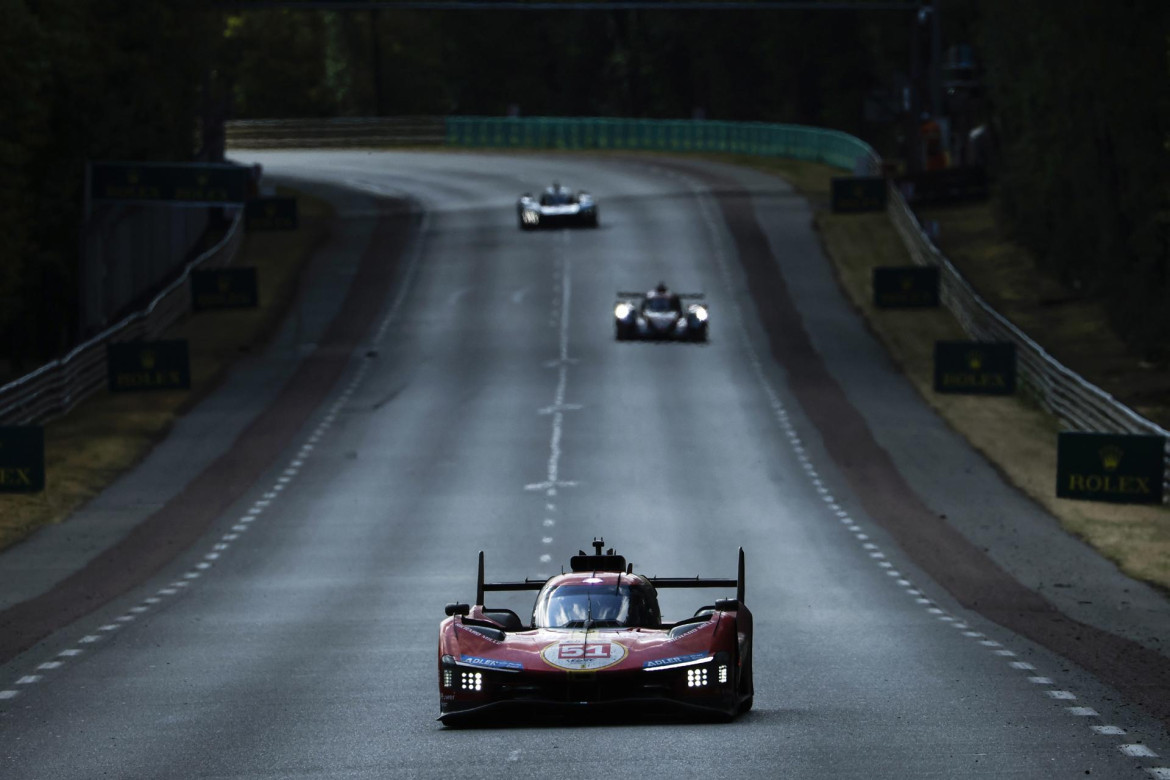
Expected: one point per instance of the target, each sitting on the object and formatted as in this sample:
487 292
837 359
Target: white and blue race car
557 206
660 314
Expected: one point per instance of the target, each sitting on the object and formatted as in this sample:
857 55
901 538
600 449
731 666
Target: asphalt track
260 598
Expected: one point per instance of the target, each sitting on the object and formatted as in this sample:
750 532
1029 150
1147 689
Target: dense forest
1076 99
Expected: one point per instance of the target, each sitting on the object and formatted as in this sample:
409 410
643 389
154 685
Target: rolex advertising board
192 184
224 288
1119 468
975 367
22 459
271 214
909 287
857 194
137 366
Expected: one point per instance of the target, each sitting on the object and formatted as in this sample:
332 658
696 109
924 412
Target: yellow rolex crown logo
975 360
224 282
201 179
148 358
907 282
1111 457
132 176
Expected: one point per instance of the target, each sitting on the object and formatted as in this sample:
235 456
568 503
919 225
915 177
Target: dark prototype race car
596 640
557 206
660 314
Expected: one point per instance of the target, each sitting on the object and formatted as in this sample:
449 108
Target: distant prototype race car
557 206
596 641
660 314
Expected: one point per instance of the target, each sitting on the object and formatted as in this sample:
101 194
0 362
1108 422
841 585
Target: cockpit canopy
557 196
612 601
662 303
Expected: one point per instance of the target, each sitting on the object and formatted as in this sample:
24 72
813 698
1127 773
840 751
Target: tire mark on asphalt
179 523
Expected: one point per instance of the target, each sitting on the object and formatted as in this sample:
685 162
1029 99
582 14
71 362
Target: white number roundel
577 655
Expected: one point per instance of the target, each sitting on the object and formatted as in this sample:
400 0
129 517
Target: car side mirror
456 608
727 605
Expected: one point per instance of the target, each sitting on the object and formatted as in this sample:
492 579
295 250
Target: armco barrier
1080 405
55 388
668 135
344 132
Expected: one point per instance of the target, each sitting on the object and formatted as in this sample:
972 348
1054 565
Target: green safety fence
798 142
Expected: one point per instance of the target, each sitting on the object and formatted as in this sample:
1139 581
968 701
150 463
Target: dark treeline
1076 94
803 67
1080 103
81 79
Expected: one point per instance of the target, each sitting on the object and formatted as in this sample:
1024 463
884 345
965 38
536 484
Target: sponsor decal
22 459
581 655
490 663
478 635
677 659
975 368
1118 468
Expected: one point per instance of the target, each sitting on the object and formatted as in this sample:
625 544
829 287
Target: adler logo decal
582 656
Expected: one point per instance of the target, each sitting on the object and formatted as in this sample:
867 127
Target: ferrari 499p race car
557 206
660 314
596 640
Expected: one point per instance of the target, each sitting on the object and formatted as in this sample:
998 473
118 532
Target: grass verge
105 435
1014 433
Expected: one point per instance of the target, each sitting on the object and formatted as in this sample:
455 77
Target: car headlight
697 677
700 314
470 681
621 311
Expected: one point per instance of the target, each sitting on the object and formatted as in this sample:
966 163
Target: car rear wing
705 582
684 296
738 583
481 587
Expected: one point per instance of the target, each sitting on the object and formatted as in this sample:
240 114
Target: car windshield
660 304
569 606
558 198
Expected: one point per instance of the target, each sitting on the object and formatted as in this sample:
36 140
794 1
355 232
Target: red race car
596 640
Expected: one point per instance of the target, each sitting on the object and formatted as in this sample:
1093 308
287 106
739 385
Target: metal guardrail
1076 402
56 387
344 132
797 142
